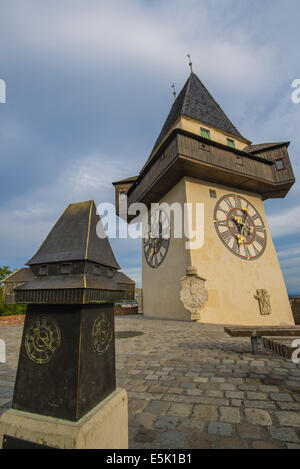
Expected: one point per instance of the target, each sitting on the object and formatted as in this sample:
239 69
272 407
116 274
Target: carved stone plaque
263 298
193 295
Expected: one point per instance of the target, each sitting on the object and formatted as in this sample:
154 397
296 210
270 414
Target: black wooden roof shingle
196 102
74 238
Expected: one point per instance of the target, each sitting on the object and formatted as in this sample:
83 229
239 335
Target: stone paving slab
191 386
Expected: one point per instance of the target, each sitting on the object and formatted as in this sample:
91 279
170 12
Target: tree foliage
8 310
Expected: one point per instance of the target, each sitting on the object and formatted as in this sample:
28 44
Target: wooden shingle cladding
184 154
279 154
196 102
74 238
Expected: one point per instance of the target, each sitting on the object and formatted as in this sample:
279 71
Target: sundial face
102 333
42 339
157 238
240 227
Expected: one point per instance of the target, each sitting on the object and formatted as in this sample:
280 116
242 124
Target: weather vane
174 91
190 64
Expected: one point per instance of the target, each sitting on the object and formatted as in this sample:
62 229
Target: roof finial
174 91
191 63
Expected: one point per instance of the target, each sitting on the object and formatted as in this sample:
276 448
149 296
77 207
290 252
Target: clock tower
200 157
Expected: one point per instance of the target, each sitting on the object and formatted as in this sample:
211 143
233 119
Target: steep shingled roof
74 238
196 102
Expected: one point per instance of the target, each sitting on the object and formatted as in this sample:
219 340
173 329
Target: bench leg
254 343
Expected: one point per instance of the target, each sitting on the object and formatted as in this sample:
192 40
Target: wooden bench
261 331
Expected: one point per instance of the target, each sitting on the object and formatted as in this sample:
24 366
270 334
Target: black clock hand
238 225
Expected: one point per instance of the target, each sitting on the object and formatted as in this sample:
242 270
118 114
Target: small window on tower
213 193
65 269
205 133
43 270
280 164
231 142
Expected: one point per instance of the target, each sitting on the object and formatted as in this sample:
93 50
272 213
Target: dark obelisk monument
66 366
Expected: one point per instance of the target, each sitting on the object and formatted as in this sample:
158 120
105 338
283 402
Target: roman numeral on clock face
255 249
222 223
228 202
242 230
260 240
236 246
247 252
157 240
226 236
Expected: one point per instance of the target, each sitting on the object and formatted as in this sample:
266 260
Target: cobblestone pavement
192 386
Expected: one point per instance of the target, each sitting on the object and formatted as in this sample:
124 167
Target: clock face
42 339
240 227
157 238
102 333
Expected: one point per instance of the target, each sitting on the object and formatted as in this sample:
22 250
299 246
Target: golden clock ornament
240 227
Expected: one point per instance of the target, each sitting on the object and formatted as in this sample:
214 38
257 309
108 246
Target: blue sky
89 86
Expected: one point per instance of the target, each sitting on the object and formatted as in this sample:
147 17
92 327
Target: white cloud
285 223
132 34
289 252
26 219
243 51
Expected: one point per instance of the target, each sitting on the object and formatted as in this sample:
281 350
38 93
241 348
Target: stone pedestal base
104 427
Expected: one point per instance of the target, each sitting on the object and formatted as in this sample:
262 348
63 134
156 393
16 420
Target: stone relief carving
263 298
193 293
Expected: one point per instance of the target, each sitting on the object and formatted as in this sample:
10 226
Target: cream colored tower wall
232 282
161 286
193 126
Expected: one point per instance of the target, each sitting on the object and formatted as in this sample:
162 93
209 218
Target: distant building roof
21 275
123 278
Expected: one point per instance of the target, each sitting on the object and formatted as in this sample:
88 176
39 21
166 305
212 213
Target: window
205 133
231 142
43 270
122 195
212 193
280 164
65 269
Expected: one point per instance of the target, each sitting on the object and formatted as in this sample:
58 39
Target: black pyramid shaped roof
74 238
196 102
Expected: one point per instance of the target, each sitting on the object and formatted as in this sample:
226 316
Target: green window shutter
230 142
205 133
